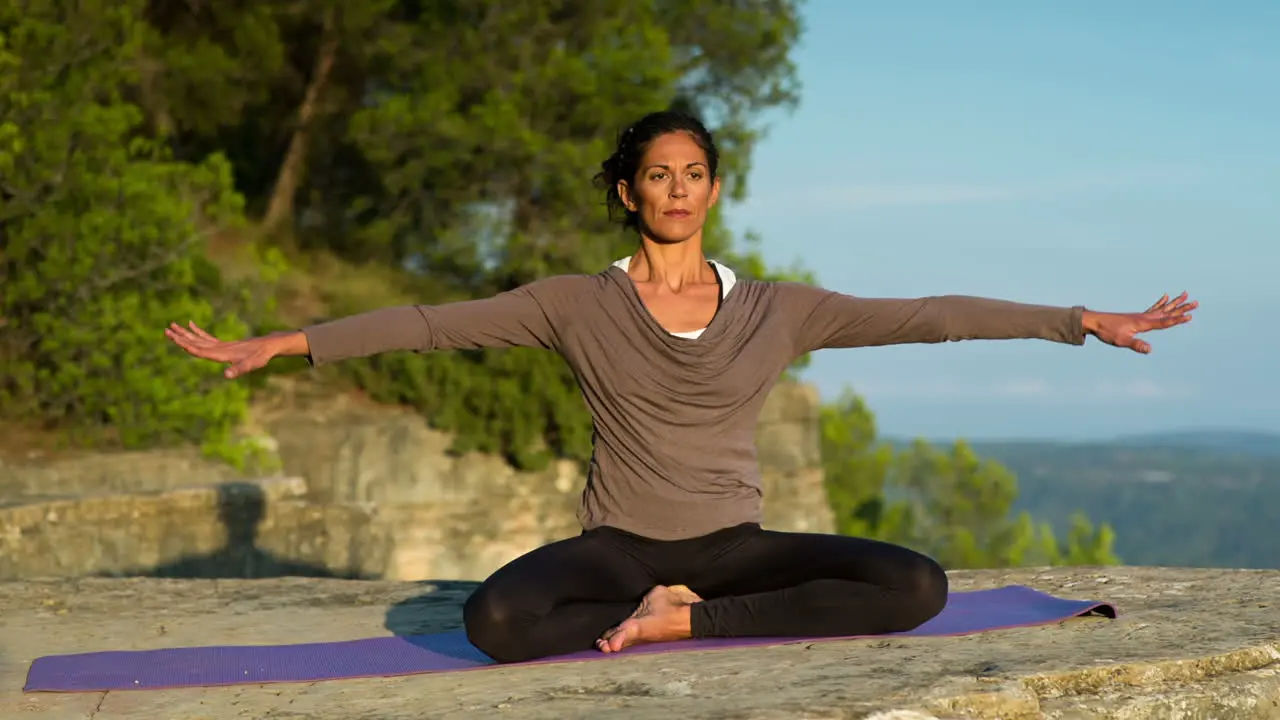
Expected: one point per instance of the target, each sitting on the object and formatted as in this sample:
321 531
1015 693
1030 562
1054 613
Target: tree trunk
280 207
152 100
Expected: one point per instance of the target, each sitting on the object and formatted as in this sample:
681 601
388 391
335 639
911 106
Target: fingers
1148 323
249 364
199 346
177 332
201 333
1166 313
1177 305
235 370
192 333
1140 346
1180 305
184 339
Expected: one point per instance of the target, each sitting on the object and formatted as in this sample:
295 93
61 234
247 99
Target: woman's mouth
677 213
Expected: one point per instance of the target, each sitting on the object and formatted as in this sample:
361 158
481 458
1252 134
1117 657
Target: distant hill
1233 441
1244 442
1188 498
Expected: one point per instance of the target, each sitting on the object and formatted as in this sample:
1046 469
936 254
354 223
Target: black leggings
561 597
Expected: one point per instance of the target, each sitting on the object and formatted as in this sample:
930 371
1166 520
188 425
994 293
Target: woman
675 357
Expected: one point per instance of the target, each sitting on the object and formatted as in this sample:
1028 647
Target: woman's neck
671 264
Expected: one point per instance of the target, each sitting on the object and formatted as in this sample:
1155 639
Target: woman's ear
624 193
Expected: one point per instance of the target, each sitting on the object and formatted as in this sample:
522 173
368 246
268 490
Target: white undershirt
727 279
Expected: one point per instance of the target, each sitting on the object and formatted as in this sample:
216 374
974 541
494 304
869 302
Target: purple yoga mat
965 613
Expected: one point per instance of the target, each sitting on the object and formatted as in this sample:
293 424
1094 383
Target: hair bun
610 168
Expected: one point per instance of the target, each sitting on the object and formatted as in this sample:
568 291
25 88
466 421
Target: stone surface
371 492
1187 644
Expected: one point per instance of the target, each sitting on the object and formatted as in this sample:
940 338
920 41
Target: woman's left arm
834 320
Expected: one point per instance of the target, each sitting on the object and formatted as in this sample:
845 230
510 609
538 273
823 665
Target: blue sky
1061 153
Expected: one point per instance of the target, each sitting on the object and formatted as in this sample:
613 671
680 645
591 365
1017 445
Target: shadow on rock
241 508
436 609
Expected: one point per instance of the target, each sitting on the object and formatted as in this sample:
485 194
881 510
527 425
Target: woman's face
673 189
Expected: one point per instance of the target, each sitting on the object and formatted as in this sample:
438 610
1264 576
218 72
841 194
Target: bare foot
681 592
685 595
663 615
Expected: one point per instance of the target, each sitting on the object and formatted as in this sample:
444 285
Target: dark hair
624 163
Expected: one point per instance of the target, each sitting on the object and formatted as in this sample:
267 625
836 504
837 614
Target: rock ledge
1188 643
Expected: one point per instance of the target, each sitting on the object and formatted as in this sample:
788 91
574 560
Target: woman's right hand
240 356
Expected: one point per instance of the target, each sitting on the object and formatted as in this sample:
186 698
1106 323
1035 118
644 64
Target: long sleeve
832 320
528 316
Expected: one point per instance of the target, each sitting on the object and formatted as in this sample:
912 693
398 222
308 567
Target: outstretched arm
833 320
521 317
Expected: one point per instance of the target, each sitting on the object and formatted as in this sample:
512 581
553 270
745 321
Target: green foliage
485 168
480 177
247 454
453 143
949 504
207 63
100 236
855 465
520 403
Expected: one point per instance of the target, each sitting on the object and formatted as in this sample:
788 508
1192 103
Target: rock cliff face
367 491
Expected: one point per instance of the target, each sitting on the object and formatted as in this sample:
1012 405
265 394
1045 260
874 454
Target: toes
603 642
615 639
617 643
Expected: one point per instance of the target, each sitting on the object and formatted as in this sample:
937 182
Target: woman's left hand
1122 329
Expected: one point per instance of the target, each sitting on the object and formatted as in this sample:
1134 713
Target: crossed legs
741 581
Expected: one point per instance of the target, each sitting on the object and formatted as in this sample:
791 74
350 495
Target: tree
452 144
949 504
458 136
258 81
101 239
855 465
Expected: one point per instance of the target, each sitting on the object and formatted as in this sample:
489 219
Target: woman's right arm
528 316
